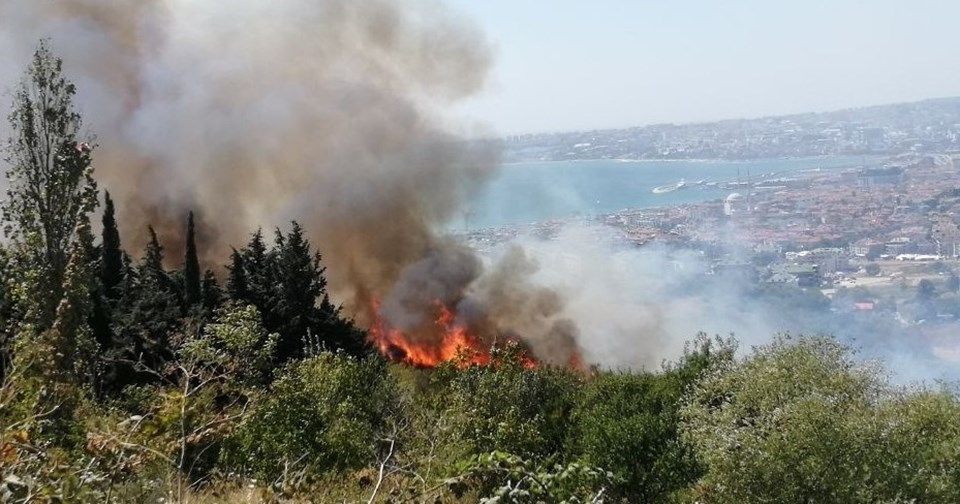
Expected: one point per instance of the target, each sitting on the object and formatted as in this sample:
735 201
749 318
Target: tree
627 423
802 421
237 288
287 284
300 285
872 269
191 267
210 293
148 317
509 407
322 413
111 253
51 189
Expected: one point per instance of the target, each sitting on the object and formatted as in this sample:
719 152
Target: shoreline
694 160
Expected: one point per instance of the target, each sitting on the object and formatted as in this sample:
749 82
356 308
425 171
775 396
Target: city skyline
618 64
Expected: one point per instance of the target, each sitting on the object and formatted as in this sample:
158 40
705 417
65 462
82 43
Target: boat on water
669 188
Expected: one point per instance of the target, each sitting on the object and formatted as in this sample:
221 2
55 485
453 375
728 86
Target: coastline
695 160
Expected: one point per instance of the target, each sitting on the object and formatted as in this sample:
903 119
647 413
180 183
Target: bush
801 421
627 424
322 414
509 407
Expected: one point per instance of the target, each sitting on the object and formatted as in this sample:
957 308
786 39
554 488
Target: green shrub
321 414
627 423
802 421
509 407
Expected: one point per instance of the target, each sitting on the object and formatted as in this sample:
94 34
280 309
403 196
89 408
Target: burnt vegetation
126 381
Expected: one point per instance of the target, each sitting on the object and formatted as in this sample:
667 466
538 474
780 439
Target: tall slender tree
111 253
237 287
210 292
51 189
191 267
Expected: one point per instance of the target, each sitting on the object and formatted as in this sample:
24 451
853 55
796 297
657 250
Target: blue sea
533 192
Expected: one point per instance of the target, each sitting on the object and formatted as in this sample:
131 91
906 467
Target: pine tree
111 258
301 283
191 268
259 267
149 318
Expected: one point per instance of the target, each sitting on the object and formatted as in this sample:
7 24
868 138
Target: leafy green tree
191 268
802 421
8 316
872 269
258 264
627 423
507 406
50 195
51 188
207 389
323 413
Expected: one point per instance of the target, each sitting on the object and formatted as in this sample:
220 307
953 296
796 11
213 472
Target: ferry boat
669 188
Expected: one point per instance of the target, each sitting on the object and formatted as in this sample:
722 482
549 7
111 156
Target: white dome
735 197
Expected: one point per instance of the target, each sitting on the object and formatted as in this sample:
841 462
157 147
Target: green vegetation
125 381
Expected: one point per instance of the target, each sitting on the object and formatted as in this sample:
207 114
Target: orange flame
454 343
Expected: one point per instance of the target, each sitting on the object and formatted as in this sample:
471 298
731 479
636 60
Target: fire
454 343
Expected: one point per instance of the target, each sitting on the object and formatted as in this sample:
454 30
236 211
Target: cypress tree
191 268
258 263
237 286
211 293
111 255
151 268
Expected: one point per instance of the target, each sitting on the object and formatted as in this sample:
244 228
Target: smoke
254 113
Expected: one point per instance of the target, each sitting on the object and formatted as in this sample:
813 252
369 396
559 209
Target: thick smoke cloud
253 113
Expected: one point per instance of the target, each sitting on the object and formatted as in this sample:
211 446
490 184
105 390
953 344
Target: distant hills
925 126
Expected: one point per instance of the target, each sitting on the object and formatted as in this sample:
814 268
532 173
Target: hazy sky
579 64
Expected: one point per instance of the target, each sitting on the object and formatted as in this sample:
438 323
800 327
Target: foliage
237 344
287 284
517 480
203 394
508 406
50 185
145 321
49 277
627 423
323 413
801 421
